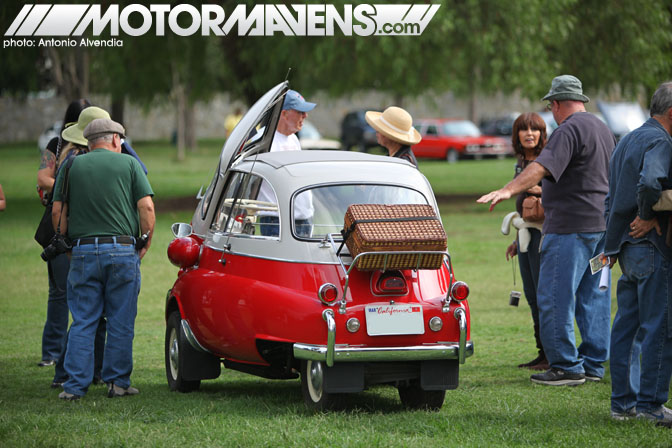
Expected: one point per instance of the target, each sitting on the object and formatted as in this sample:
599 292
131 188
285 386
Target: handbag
533 211
45 230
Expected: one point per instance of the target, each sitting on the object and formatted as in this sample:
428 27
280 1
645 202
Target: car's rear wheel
414 397
312 386
174 363
452 155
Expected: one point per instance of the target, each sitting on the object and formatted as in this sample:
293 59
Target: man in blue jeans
636 236
107 204
574 167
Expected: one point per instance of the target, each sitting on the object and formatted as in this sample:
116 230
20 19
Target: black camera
514 298
58 245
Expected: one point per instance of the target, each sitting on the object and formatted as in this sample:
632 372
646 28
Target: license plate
394 319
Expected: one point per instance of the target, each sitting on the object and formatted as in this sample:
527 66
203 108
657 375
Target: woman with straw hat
395 132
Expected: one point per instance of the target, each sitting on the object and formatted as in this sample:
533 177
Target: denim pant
529 271
643 316
56 325
103 278
568 290
61 376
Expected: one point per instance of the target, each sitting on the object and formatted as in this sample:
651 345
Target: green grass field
495 405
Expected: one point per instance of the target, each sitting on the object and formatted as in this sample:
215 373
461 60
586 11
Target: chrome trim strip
346 353
240 254
461 316
191 338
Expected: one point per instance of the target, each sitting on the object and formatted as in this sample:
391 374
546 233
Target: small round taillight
459 291
184 252
328 293
352 325
435 323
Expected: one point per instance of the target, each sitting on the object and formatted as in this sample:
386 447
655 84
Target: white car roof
292 171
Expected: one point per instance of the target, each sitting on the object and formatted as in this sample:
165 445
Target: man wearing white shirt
294 111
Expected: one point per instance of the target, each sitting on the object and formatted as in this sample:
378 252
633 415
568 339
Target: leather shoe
46 363
116 391
68 396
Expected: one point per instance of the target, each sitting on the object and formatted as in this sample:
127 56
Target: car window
328 204
241 210
431 130
461 128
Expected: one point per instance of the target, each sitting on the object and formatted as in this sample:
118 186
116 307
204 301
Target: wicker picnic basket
384 228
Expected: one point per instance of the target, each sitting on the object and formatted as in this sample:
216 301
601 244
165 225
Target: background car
356 132
622 117
49 133
500 126
452 139
268 290
311 138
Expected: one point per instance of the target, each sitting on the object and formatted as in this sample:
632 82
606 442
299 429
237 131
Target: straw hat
75 133
394 123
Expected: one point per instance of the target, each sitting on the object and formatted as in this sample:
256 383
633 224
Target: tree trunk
190 126
180 99
117 111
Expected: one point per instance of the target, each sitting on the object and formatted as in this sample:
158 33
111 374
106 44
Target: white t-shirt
303 203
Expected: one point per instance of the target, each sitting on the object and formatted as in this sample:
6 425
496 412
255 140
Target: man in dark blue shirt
640 169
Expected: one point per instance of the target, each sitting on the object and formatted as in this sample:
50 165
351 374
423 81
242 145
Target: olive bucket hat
75 133
566 87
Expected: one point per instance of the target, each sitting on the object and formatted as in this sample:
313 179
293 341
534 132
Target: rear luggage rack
348 265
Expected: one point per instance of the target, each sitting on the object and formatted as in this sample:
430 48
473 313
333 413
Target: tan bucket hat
75 133
394 123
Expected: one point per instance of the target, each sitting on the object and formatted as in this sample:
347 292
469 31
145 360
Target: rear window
319 211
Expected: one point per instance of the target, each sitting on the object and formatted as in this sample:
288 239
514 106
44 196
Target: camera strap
513 269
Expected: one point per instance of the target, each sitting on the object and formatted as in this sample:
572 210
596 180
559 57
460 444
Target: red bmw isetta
266 287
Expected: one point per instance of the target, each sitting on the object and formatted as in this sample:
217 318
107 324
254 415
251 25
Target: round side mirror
181 229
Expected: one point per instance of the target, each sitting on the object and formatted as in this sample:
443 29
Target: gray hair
107 138
661 101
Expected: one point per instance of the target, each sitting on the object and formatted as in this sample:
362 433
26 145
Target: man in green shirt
104 208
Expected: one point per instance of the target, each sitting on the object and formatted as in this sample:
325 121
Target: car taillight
184 252
459 291
328 293
389 283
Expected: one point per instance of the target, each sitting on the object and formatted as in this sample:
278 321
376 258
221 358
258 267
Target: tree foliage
470 47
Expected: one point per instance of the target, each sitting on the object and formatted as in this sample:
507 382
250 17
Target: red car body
452 139
293 304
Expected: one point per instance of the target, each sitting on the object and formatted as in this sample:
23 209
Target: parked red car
283 299
452 139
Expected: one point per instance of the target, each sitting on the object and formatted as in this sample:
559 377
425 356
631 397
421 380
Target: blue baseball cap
294 100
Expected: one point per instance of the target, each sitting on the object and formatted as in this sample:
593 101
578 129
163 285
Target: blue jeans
61 376
56 325
644 316
567 291
103 278
529 263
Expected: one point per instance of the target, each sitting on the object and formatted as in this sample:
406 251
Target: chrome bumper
331 353
364 354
